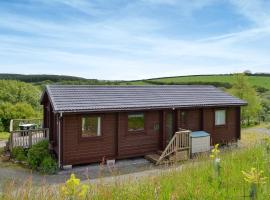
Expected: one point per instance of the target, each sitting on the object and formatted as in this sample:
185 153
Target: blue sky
134 39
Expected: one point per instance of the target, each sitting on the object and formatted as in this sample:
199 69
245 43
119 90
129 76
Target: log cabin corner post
59 128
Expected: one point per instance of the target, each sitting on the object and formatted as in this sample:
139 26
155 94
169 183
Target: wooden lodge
90 123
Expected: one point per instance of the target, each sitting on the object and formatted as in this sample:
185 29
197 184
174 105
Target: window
91 126
136 122
220 117
183 117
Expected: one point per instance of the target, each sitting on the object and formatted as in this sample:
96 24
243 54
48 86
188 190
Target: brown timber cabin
87 123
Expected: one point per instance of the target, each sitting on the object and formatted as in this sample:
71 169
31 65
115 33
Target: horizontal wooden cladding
135 144
117 142
222 134
204 119
114 131
190 119
79 150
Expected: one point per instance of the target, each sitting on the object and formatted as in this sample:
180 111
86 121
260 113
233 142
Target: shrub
19 153
37 153
39 158
48 165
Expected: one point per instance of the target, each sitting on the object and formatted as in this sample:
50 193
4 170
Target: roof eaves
50 96
149 108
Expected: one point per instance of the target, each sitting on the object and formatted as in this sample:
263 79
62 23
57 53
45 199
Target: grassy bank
259 81
4 135
196 180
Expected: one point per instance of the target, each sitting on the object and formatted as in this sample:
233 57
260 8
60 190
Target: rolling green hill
257 80
44 79
261 81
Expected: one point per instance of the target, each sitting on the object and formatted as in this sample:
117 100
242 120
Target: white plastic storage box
200 141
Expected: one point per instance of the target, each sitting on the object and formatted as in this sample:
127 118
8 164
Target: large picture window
91 126
220 117
136 122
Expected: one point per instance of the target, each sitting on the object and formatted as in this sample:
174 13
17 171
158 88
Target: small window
91 126
183 117
220 117
136 122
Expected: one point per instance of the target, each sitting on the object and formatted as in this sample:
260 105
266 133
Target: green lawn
4 135
261 81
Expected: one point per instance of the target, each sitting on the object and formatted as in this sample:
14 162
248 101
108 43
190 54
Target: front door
169 126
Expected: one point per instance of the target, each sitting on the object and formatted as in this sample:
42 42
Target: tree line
22 100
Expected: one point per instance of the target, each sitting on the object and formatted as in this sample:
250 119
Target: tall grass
194 181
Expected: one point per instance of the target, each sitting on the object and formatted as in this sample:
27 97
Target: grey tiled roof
67 98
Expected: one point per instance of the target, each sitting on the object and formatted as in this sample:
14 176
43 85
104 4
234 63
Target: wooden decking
177 149
26 138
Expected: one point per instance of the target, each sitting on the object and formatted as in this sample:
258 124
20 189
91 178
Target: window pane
91 126
220 117
135 122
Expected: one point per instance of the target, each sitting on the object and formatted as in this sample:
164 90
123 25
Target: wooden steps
159 152
178 149
152 157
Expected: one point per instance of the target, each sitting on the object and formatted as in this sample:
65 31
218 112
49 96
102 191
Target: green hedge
37 157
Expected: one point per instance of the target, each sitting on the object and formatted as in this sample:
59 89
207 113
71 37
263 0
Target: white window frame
220 117
98 125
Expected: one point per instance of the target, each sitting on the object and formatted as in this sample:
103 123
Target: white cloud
127 48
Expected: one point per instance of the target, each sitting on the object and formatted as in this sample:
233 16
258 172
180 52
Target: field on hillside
259 81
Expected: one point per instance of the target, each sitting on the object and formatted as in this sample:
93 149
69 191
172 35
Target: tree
16 91
9 111
242 89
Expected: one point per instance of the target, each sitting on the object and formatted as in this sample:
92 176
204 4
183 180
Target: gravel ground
260 130
91 173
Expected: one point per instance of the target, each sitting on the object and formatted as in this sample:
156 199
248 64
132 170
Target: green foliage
261 81
265 112
195 181
19 153
37 153
10 111
4 135
16 91
18 100
245 91
73 189
192 181
39 158
42 80
48 165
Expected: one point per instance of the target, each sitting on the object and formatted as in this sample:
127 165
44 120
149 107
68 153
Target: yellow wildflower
73 188
215 151
254 176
